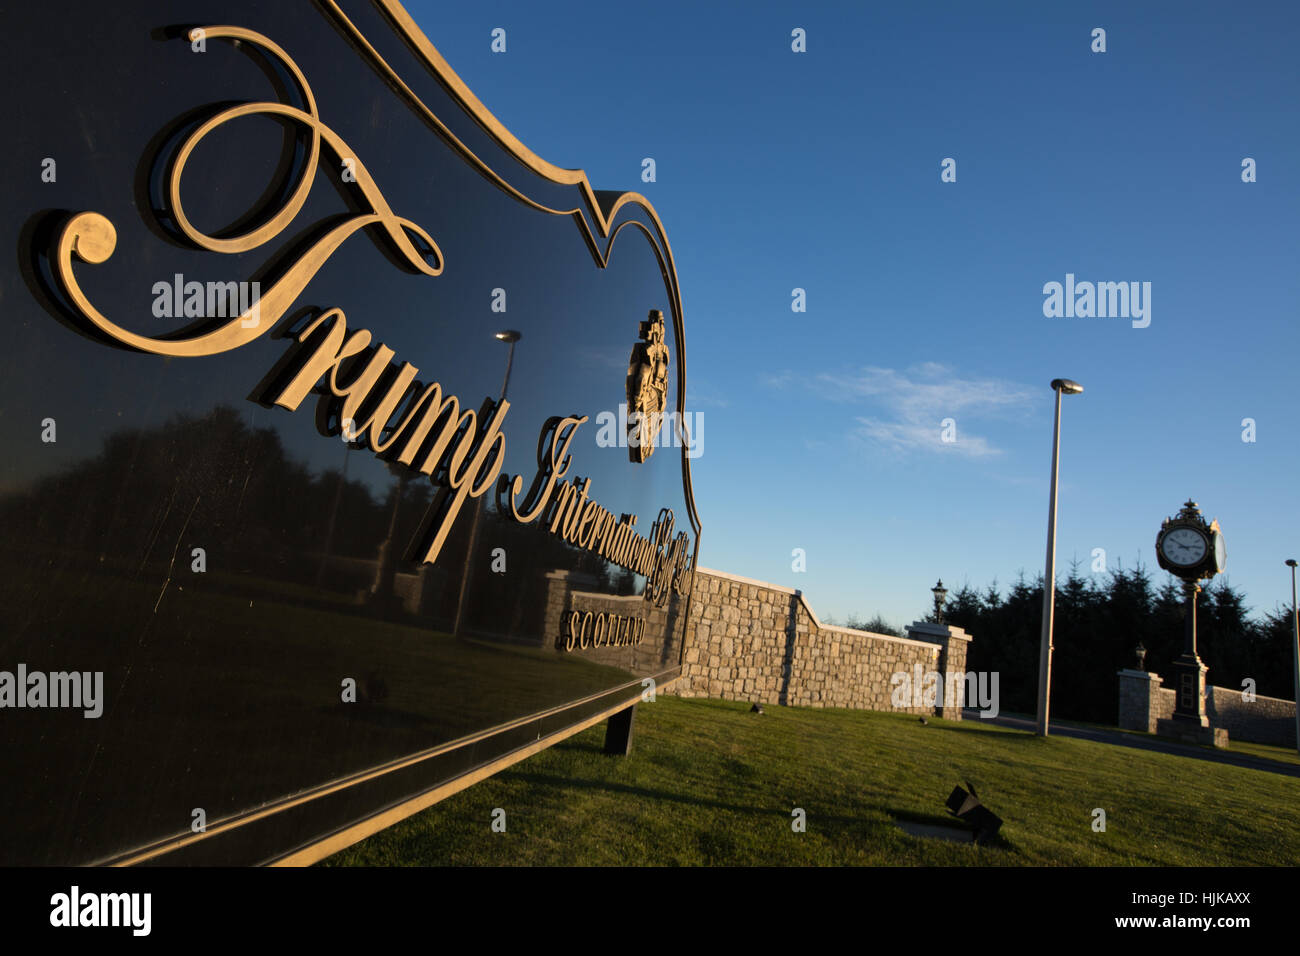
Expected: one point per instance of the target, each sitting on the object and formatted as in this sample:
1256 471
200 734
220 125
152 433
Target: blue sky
820 170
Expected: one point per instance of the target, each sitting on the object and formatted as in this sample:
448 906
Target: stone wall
1265 720
611 627
750 640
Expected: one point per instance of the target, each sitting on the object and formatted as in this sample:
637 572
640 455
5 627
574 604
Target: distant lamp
940 595
1060 386
1067 386
1295 640
510 337
1141 653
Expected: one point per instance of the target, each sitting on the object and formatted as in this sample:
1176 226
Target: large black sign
346 455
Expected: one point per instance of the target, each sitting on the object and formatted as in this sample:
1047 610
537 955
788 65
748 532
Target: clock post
1193 550
1189 670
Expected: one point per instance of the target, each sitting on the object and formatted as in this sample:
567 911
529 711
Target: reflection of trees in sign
647 388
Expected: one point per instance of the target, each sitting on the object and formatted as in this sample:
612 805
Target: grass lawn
710 784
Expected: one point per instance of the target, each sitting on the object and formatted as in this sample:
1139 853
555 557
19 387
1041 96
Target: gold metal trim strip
340 840
133 857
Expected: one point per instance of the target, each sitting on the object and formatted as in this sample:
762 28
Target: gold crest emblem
647 388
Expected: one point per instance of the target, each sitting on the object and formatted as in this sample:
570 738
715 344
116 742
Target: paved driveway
1145 742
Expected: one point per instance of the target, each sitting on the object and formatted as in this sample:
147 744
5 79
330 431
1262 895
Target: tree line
1100 620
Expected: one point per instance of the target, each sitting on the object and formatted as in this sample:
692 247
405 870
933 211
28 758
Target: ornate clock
1193 550
1189 547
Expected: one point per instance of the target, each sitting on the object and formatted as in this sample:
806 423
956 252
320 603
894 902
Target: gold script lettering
475 460
92 237
470 479
553 467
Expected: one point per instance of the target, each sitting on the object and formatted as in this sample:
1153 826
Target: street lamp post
1295 633
1060 386
511 336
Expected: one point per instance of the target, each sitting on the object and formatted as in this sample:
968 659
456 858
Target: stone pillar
557 602
1193 727
1139 700
952 643
1189 705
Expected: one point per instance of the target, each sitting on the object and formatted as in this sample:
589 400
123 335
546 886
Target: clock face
1220 553
1184 547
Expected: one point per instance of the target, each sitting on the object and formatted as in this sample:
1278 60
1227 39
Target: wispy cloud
700 394
603 358
907 409
782 379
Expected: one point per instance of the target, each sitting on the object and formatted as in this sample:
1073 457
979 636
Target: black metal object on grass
967 808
